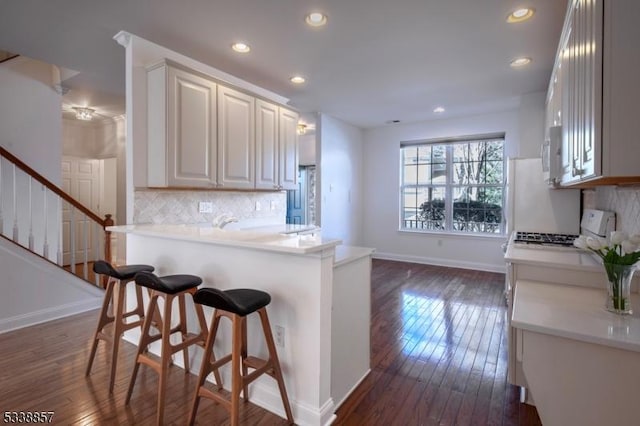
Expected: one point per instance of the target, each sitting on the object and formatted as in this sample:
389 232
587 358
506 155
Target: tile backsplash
625 201
175 206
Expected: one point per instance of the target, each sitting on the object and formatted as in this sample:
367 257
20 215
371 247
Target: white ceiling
375 60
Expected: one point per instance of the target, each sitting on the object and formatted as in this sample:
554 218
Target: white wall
341 186
307 149
531 121
33 291
382 185
30 115
31 129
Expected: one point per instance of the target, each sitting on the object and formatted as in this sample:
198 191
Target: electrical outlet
279 335
258 206
205 207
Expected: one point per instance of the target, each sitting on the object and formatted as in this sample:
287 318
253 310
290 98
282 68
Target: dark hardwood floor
438 351
438 356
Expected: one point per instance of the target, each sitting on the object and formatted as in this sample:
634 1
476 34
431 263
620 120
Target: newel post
107 237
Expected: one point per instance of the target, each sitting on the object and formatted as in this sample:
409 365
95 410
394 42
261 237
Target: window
453 186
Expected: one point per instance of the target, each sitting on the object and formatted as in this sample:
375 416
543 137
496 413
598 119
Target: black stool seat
125 272
242 301
170 284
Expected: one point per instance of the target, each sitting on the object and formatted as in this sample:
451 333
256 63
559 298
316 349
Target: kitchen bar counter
263 238
322 307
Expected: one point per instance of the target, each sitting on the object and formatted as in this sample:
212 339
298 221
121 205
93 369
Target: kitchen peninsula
320 294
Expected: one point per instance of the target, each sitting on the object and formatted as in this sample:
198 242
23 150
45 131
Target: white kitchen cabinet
181 114
582 363
598 73
288 149
267 158
203 134
276 147
236 138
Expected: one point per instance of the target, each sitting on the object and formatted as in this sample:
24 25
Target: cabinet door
267 158
181 119
567 102
191 129
590 20
288 146
236 139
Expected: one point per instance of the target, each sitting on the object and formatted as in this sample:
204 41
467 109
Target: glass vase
619 288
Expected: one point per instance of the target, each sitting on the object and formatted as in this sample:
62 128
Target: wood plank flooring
438 351
438 356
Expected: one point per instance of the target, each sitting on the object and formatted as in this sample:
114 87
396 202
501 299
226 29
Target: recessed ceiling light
297 79
520 62
521 15
241 47
438 110
316 19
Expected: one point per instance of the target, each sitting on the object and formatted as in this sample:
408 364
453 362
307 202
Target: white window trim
449 186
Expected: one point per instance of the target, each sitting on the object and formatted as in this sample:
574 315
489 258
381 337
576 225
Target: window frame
449 185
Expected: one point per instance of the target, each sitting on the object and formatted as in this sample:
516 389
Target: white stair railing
43 215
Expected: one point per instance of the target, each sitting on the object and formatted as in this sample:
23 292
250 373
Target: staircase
48 243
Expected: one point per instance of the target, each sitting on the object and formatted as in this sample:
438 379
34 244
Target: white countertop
576 313
259 239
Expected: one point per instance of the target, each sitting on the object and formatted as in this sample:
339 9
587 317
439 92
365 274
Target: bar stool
169 288
236 305
115 296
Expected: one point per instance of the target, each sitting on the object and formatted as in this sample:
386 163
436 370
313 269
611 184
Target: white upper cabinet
181 117
276 147
288 169
267 159
597 66
204 134
236 139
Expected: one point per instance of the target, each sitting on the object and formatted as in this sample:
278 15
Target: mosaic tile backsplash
177 207
625 201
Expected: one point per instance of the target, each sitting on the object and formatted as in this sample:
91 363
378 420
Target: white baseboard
263 392
49 314
353 388
440 262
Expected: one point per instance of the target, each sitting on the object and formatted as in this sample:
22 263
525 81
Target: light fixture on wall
301 129
83 113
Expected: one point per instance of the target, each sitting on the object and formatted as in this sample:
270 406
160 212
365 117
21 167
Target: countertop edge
566 332
256 245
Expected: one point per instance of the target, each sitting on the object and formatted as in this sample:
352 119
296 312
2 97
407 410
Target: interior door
81 180
297 200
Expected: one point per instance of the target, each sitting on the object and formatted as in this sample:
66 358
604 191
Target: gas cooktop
543 238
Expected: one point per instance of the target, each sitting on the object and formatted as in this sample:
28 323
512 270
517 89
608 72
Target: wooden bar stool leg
103 320
165 356
273 356
245 370
205 368
236 378
118 329
182 312
144 342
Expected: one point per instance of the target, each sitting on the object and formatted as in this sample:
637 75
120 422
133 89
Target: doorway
301 201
